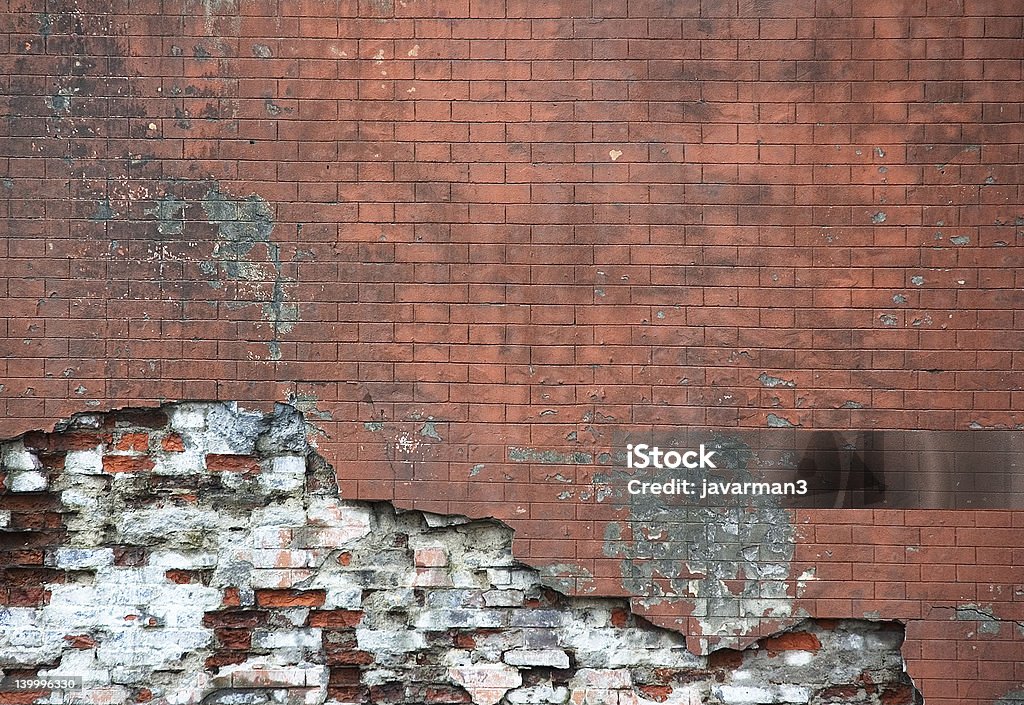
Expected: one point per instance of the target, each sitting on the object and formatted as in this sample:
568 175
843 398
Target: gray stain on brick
244 223
567 578
429 430
59 102
774 421
103 211
988 623
554 457
768 380
169 212
273 108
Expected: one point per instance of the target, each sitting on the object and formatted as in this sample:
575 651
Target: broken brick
172 443
217 462
126 463
133 441
791 641
290 598
335 618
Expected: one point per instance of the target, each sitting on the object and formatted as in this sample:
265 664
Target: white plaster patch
286 474
14 456
83 558
84 462
27 481
742 695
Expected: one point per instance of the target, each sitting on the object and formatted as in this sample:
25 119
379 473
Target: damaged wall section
201 553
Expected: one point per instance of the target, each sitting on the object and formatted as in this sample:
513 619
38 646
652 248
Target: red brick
335 619
80 641
22 697
235 639
792 641
235 619
657 693
725 659
290 598
133 441
232 463
225 658
126 463
231 598
348 693
63 442
182 577
172 443
349 657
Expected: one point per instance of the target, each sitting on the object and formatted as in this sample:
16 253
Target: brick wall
200 553
468 238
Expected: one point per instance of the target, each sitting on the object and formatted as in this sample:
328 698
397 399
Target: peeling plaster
220 566
731 562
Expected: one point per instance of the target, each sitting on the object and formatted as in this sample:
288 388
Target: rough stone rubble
201 553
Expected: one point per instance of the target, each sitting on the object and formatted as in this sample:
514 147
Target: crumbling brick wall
468 238
200 553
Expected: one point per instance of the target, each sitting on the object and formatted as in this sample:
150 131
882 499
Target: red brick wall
457 233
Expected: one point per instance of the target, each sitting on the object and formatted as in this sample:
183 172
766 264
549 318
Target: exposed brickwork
240 595
466 236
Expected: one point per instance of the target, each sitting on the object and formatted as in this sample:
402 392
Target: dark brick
235 619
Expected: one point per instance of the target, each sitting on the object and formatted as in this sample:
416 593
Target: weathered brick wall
468 238
198 553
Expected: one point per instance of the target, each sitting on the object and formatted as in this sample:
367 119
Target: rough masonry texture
469 238
201 553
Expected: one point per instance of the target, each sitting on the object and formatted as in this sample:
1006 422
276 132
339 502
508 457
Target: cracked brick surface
469 239
226 569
